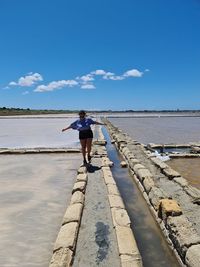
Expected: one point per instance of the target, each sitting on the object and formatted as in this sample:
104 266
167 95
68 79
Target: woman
85 133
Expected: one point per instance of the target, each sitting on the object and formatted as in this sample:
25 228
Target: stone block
155 195
168 207
73 213
82 169
77 197
192 191
67 236
112 189
62 258
170 173
123 164
182 233
120 217
143 173
82 177
79 186
193 256
181 181
109 179
133 162
131 261
115 201
126 241
159 163
138 167
148 183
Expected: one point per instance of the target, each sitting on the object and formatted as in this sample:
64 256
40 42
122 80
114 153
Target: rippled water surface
161 129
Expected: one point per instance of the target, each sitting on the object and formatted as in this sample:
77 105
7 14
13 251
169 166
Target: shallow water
161 130
189 168
37 132
35 191
151 243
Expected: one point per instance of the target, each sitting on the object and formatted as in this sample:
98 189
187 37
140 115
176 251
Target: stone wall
173 202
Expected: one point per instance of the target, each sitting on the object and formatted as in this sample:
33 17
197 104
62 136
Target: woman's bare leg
89 146
83 146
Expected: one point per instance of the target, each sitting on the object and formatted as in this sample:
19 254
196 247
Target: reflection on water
161 129
189 168
43 132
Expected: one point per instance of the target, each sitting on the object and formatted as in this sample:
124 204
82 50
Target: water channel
152 245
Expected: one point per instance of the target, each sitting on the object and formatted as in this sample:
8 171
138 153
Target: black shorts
85 134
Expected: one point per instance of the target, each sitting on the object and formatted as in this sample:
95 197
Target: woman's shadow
92 168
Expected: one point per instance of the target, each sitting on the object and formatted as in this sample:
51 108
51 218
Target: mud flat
174 203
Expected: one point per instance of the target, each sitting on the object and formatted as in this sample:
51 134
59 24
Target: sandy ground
35 190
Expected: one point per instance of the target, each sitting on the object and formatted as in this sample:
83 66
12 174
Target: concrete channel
152 245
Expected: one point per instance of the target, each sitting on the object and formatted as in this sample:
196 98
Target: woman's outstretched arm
99 123
65 129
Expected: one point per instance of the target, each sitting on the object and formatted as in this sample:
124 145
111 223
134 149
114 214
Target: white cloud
88 86
133 73
86 78
28 80
99 72
56 85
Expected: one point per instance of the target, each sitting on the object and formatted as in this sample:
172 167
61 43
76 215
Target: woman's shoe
89 158
85 162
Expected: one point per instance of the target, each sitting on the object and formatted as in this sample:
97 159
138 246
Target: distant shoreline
19 111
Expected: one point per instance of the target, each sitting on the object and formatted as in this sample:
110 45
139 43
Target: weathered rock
100 142
108 179
133 162
106 162
126 241
115 201
182 233
120 217
79 186
143 173
148 183
192 191
138 167
159 163
155 195
193 256
168 207
77 197
181 181
67 236
170 173
82 169
131 261
62 258
123 164
73 213
82 177
112 189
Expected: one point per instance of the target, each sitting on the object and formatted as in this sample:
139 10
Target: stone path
96 244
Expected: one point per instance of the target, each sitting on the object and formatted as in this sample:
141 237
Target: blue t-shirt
82 125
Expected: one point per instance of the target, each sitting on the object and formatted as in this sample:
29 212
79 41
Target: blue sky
108 54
